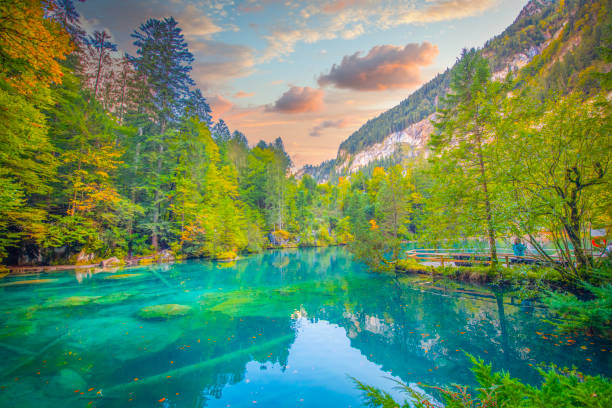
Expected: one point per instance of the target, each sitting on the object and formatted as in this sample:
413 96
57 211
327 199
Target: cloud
443 10
242 94
219 105
316 131
384 67
339 5
349 19
298 100
217 62
195 23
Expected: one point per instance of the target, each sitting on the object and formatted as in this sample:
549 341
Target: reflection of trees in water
408 329
416 331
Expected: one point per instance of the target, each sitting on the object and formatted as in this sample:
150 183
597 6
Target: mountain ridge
408 123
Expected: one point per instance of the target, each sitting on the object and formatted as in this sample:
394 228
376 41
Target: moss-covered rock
72 301
123 276
28 282
112 298
66 383
163 312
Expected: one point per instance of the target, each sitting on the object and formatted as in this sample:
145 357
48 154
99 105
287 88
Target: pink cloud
317 130
384 67
298 100
219 105
242 94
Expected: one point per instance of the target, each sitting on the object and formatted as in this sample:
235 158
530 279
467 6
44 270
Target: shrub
592 315
559 388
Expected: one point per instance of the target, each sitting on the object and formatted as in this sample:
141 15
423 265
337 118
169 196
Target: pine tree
100 47
221 132
163 59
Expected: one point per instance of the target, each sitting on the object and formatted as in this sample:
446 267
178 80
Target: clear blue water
280 329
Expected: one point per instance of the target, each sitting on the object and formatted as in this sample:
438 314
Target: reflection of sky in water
310 317
317 374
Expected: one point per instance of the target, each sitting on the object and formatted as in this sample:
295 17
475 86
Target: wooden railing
457 256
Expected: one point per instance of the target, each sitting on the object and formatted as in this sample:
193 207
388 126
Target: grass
482 274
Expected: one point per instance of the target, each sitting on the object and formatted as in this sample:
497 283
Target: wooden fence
459 257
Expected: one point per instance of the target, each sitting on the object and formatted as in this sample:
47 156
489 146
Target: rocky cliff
403 132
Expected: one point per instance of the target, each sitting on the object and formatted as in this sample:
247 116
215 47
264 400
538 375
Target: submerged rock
71 301
65 383
105 341
112 298
124 276
29 282
167 311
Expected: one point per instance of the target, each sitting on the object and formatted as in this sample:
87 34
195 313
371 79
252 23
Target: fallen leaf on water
162 400
91 389
136 379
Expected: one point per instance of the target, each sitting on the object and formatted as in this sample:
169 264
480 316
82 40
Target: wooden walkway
463 258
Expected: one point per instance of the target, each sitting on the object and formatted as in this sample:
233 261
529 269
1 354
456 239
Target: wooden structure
464 258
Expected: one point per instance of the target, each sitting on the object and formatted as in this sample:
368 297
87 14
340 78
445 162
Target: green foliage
373 397
379 212
559 388
592 312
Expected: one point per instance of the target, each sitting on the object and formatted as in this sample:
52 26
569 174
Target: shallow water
280 329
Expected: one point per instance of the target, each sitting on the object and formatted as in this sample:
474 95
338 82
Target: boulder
84 258
110 261
165 256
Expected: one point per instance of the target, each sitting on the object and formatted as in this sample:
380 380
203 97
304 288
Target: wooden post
442 260
507 262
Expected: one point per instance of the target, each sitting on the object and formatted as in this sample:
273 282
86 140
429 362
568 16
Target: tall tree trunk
156 204
122 98
101 51
572 229
133 192
488 212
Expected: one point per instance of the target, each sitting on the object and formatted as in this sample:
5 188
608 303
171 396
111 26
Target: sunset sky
311 72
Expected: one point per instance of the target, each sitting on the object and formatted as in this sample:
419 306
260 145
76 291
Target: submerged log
178 372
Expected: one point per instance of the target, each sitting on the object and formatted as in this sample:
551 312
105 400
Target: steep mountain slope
554 44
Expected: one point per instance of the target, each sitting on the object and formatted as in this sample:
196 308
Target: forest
119 157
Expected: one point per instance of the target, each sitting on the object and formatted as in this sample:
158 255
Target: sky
310 71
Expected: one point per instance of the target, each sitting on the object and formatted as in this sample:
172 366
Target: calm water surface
281 329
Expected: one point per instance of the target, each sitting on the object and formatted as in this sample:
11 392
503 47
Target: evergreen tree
164 61
221 132
100 47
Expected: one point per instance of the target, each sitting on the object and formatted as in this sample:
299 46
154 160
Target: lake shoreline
130 262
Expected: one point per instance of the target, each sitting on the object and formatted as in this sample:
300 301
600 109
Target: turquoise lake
280 329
